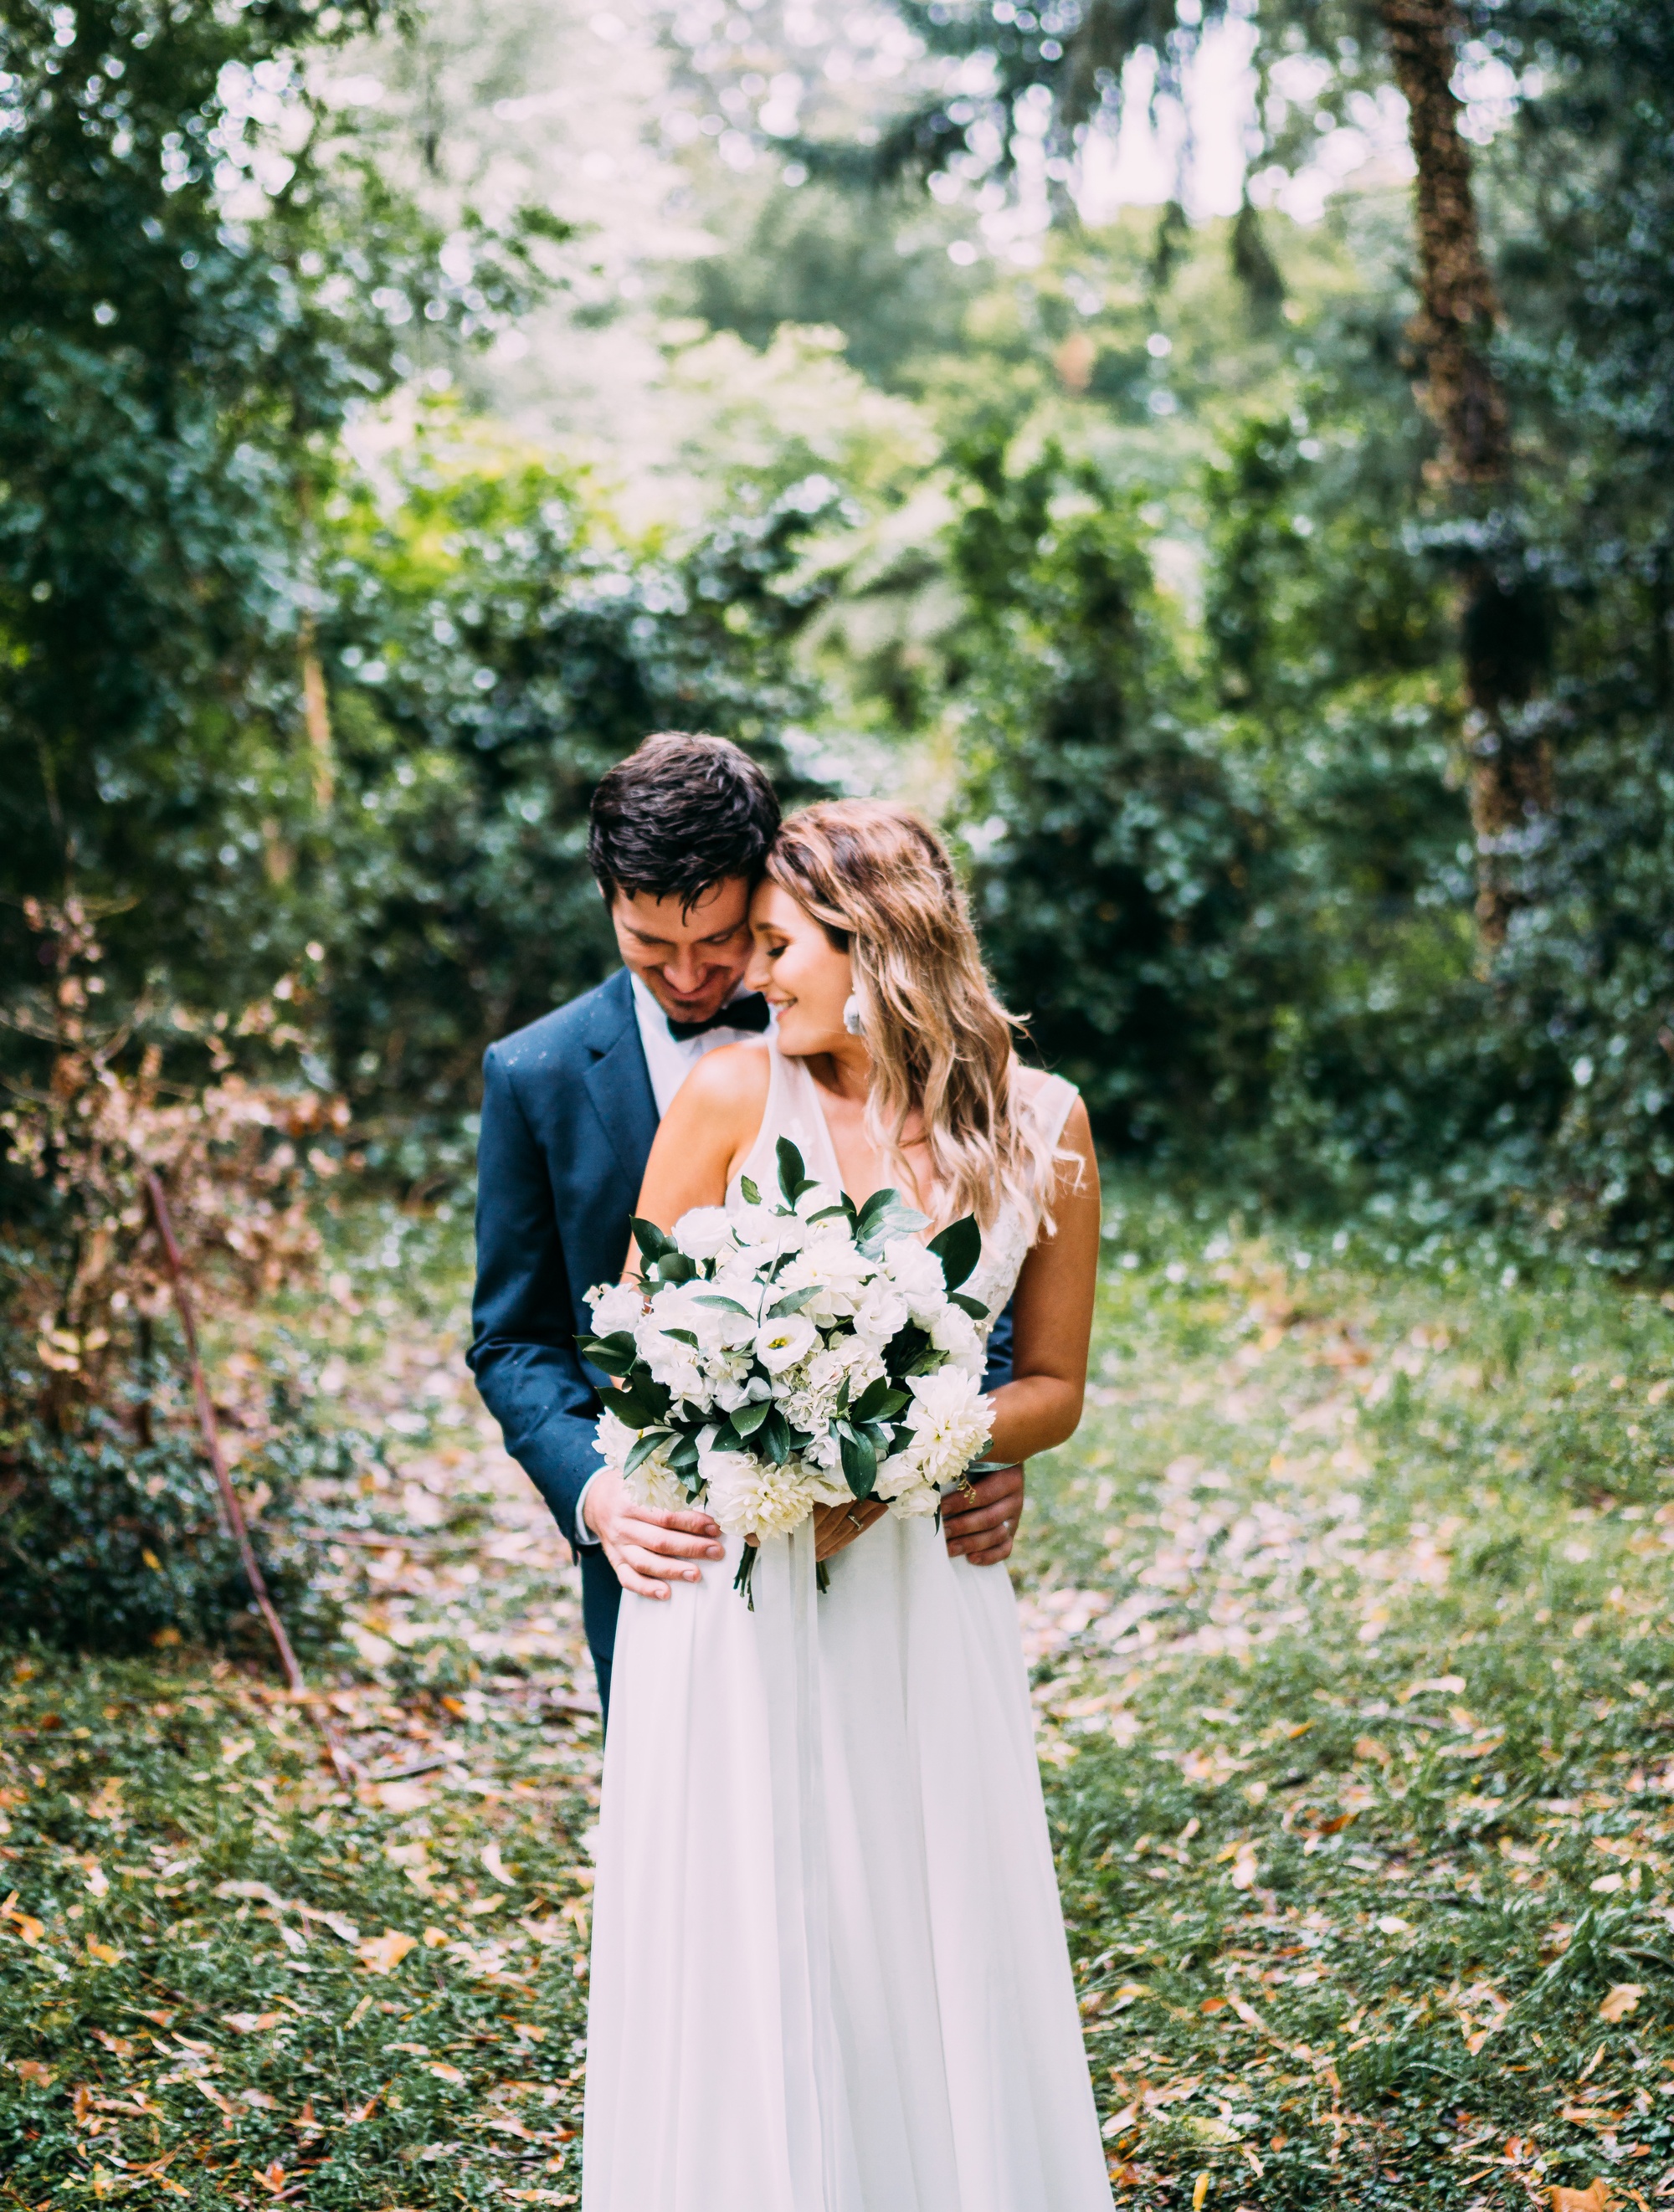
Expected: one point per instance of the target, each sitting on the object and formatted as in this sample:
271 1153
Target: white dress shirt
668 1062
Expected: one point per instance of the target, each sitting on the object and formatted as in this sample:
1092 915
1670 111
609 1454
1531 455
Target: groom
678 835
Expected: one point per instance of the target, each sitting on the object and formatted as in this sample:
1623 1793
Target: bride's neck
846 1071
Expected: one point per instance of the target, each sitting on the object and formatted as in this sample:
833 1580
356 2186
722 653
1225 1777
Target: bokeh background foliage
386 442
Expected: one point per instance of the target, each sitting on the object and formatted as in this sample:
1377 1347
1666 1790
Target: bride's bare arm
704 1136
1052 1312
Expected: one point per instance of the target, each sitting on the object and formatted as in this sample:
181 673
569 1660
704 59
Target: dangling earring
851 1015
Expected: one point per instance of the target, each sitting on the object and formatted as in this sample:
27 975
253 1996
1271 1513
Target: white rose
616 1306
953 1332
704 1232
819 1198
782 1344
674 1364
832 1264
916 1272
881 1312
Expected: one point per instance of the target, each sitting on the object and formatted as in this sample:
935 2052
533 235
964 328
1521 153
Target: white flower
953 1332
761 1237
949 1423
833 1264
651 1483
881 1312
916 1272
851 1356
613 1440
751 1497
674 1364
819 1198
917 1497
616 1306
704 1232
782 1344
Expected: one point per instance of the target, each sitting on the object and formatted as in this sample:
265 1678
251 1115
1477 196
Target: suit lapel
619 1083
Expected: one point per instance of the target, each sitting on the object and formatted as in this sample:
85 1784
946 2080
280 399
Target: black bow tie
747 1013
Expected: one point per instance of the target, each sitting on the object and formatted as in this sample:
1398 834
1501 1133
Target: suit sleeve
1000 1357
523 1324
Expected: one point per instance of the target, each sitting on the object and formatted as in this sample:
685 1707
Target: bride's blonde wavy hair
880 881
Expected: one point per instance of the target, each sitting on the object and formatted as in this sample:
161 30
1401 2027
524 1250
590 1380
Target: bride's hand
836 1527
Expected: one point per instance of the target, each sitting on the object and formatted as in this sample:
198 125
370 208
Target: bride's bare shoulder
731 1080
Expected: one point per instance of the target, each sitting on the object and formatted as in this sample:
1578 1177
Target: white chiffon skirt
829 1969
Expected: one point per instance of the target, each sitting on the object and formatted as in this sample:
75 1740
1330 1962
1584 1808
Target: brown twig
232 1506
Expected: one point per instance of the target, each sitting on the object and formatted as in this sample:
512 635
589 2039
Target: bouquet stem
747 1568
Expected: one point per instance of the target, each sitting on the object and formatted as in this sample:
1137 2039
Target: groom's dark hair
681 813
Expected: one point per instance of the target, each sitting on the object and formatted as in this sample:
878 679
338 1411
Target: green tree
199 282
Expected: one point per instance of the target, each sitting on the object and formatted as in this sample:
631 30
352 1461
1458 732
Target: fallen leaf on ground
493 1864
1594 2199
443 2071
382 1954
253 2023
1622 2000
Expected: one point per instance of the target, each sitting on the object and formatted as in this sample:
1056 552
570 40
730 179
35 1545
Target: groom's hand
649 1549
981 1524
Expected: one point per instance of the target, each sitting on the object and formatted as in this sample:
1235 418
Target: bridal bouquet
791 1355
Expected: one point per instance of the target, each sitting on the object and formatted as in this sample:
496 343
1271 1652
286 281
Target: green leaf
673 1266
793 1301
717 1298
904 1348
958 1247
643 1449
683 1336
752 1192
776 1436
860 1463
878 1399
746 1419
616 1353
650 1239
974 1307
633 1408
792 1174
684 1457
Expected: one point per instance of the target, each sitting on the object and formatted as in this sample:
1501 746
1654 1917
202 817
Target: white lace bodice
793 1110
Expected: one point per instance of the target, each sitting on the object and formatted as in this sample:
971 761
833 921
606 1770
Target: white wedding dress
829 1968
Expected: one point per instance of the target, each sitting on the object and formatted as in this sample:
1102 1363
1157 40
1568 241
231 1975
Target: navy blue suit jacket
569 1117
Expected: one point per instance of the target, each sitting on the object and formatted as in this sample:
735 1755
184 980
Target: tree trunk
1502 630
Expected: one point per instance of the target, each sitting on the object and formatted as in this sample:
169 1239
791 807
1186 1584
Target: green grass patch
1346 1611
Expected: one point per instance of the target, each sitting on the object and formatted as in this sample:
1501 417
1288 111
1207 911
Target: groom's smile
691 959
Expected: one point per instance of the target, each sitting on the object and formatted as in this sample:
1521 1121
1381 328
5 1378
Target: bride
829 1969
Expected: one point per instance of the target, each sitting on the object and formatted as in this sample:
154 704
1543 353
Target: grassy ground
1347 1611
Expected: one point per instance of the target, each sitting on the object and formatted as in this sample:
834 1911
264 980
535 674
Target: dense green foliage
494 647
